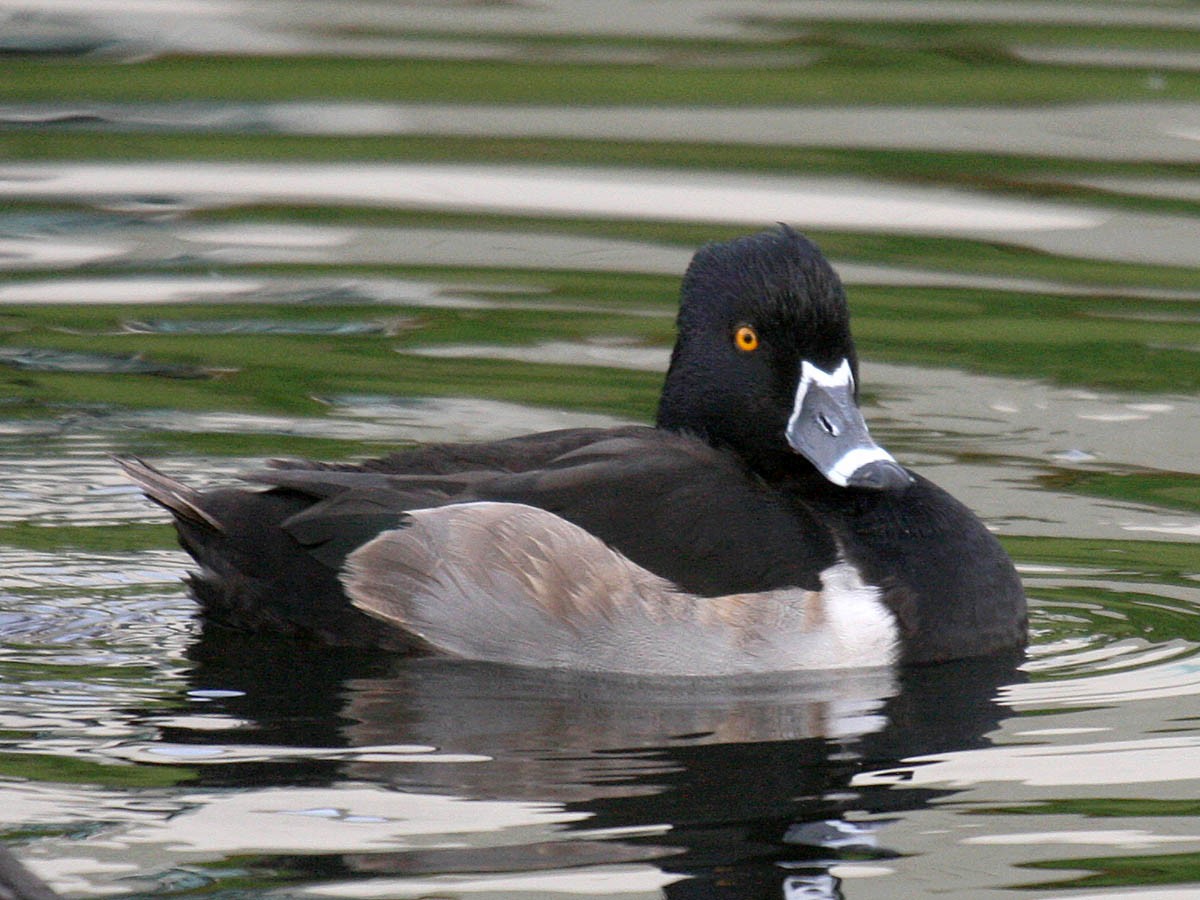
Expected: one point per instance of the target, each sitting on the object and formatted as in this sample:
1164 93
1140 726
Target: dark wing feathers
517 454
334 528
680 509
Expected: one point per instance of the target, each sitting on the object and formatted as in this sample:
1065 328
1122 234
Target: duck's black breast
946 578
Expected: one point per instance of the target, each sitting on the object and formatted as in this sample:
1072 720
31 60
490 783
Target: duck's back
676 506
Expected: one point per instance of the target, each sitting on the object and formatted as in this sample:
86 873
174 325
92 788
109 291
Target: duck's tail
176 497
253 574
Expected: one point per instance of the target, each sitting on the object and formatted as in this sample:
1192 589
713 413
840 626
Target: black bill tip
880 475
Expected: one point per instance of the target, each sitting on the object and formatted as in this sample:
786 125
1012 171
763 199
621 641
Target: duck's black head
764 363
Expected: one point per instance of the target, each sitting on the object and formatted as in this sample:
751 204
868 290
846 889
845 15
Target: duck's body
756 528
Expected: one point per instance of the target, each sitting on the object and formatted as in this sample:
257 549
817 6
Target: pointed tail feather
174 496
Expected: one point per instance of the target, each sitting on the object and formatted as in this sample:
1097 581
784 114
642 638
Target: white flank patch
862 629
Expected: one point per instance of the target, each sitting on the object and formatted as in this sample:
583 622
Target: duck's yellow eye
745 339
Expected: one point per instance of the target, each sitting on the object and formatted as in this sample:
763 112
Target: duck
755 527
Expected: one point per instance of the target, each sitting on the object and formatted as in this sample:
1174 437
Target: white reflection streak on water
200 825
30 569
163 752
837 203
541 251
382 419
274 820
410 246
34 253
1136 762
1175 679
222 26
632 881
1131 132
127 290
630 194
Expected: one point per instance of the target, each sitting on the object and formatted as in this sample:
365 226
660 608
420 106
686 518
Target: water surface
235 231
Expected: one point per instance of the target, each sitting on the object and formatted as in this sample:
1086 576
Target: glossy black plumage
713 499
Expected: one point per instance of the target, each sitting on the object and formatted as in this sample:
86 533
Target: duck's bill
827 428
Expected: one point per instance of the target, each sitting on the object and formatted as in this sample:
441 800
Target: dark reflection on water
739 785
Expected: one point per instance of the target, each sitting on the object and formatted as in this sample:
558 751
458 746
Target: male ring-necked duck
756 528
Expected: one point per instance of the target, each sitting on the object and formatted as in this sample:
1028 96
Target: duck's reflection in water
740 786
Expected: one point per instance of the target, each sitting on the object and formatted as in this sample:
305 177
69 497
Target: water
232 231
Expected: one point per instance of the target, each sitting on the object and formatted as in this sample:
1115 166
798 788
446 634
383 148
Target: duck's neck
782 468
